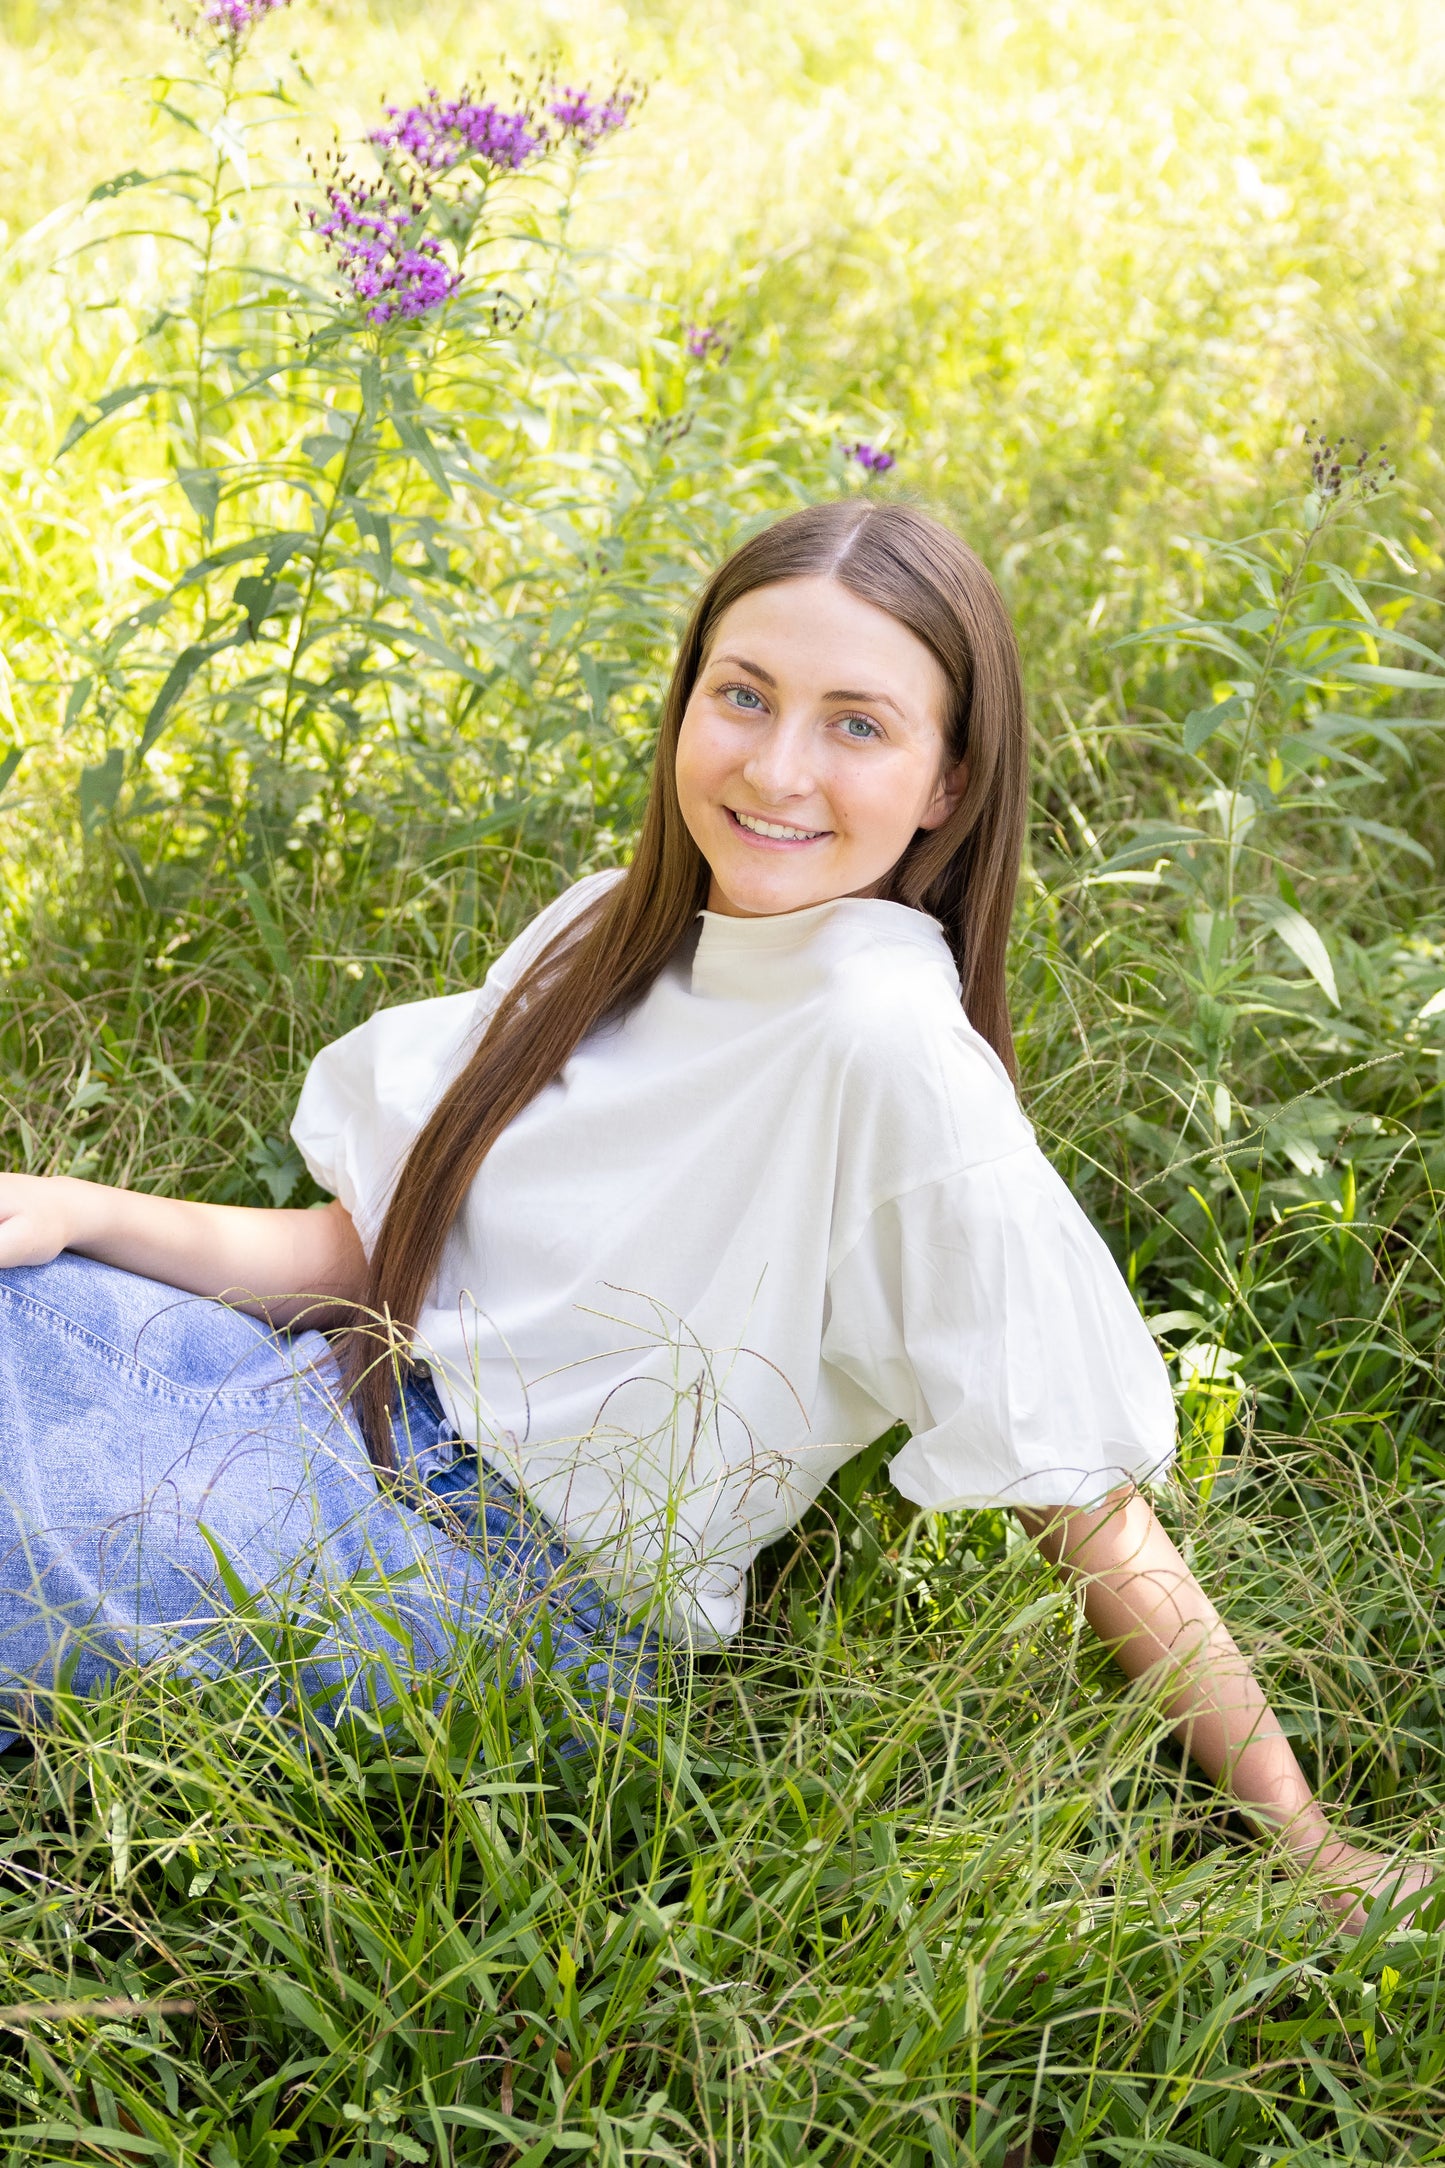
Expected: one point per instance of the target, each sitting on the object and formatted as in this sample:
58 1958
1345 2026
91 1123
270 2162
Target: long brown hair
963 874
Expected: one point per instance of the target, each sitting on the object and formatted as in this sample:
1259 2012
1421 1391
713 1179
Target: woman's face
812 749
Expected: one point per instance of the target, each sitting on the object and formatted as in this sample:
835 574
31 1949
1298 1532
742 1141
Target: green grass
908 1877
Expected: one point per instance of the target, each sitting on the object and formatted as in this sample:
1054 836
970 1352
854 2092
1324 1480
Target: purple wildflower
704 339
231 19
587 119
870 457
445 131
373 237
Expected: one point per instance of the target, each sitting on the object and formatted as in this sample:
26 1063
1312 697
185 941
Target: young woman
720 1174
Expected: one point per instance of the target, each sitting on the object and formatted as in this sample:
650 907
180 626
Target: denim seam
152 1381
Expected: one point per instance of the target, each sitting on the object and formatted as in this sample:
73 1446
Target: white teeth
775 828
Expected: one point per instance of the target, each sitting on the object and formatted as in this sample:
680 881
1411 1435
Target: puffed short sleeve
366 1097
985 1311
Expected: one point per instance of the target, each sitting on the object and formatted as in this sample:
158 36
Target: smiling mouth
775 831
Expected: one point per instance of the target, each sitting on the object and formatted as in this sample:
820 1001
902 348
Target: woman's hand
286 1266
1350 1878
34 1223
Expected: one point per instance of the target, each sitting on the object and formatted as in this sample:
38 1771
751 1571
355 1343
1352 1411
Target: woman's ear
951 786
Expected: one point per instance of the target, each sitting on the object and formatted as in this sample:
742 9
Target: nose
779 763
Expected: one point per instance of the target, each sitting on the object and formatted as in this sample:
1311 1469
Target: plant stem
212 217
312 579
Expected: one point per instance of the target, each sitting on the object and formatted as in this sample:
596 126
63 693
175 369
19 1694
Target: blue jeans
175 1479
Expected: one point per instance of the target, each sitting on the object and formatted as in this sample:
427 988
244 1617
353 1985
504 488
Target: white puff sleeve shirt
785 1203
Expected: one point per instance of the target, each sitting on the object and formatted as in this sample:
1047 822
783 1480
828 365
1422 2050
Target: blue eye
745 694
859 728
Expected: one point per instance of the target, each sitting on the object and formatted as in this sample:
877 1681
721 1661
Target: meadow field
331 641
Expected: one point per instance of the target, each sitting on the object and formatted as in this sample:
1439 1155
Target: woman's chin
767 898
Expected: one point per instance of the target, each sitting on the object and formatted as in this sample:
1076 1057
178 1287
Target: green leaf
1396 838
276 548
1302 940
1334 724
268 1633
378 526
1033 1614
100 788
179 115
1217 640
405 636
10 760
598 681
272 938
179 676
1155 841
1381 635
304 2010
1380 673
1201 723
1297 751
75 705
1176 1321
256 595
855 1476
138 621
1391 636
278 1164
1340 579
124 395
322 449
414 436
202 486
118 184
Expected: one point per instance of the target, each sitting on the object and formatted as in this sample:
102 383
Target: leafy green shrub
418 532
1255 1031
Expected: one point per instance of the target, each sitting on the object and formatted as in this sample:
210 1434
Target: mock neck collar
789 953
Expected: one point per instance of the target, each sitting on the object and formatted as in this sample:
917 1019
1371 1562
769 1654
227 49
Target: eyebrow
740 662
874 700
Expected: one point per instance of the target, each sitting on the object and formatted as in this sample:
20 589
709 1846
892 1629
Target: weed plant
332 646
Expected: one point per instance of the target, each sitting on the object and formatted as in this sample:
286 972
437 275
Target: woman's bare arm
1146 1606
285 1266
